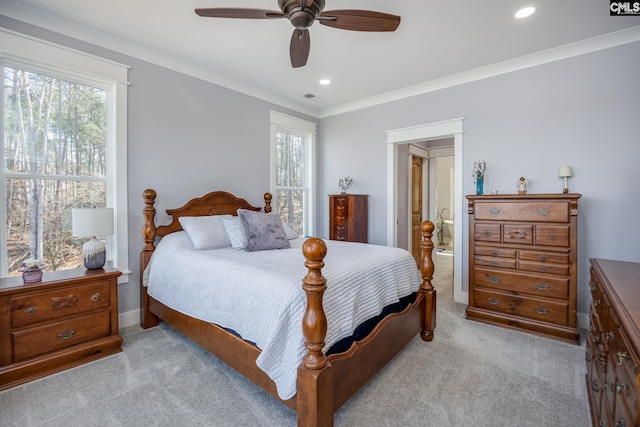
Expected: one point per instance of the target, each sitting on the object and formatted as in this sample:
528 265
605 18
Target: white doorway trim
438 130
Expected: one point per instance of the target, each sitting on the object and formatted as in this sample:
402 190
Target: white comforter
259 294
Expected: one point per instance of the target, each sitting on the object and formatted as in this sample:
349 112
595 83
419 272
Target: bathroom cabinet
523 262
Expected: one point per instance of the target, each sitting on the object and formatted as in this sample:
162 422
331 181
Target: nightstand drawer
63 302
40 340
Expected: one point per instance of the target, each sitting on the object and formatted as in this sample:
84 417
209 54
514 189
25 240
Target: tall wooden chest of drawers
348 217
522 262
613 343
69 318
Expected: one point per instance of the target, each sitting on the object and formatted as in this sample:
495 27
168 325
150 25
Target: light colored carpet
471 374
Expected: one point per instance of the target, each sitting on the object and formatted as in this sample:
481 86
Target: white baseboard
130 318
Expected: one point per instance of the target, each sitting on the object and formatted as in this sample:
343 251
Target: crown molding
606 41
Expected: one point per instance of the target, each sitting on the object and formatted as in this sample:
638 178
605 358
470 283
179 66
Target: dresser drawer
488 233
518 233
44 339
64 302
552 235
544 257
544 310
495 262
550 287
495 252
542 267
340 232
551 211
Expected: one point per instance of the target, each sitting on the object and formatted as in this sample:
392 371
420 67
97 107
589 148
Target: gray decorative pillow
235 232
263 231
205 232
290 232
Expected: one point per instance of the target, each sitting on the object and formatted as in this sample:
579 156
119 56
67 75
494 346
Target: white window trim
16 48
277 121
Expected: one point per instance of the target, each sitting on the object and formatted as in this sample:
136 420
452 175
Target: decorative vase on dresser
68 318
348 217
522 262
613 343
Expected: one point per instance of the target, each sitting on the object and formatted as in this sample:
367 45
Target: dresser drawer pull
340 228
487 233
95 297
493 279
59 303
31 311
340 199
494 263
66 334
594 386
620 422
542 286
597 302
602 424
542 310
543 212
552 237
494 301
494 211
340 238
593 288
518 234
622 356
494 253
587 357
542 258
621 387
542 268
609 335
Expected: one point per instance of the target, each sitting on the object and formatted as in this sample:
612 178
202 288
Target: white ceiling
435 40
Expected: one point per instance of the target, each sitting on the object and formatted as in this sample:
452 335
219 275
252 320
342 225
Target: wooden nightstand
69 318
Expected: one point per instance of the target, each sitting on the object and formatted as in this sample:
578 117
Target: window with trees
292 171
61 149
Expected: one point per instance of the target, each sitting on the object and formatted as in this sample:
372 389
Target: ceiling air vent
309 95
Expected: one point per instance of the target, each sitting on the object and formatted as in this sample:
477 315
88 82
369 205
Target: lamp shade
91 222
565 172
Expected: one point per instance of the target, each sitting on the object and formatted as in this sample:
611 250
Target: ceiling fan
302 14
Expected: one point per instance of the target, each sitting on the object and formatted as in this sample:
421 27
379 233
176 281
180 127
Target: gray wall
186 137
581 111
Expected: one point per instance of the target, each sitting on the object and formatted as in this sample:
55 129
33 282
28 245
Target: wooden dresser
613 343
69 318
348 217
522 262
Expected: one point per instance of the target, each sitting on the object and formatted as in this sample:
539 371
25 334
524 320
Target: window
292 171
64 146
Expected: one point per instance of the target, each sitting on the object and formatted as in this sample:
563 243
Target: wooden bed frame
324 383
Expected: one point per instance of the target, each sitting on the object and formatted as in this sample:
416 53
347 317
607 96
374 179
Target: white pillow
290 232
206 232
235 232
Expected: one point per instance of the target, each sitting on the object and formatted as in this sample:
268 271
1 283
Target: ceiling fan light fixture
525 12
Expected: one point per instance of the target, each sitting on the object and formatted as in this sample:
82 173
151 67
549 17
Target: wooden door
416 206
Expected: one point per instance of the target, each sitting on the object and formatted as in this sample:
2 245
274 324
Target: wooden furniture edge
317 397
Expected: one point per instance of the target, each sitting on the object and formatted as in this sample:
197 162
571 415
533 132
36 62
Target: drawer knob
487 233
494 253
543 212
340 228
593 288
493 279
609 335
95 297
620 422
597 302
542 286
494 301
594 386
542 268
622 356
552 237
66 334
31 311
494 211
340 238
621 387
542 258
587 357
542 310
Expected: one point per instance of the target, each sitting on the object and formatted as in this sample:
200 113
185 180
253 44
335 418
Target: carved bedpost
315 383
147 319
267 202
426 271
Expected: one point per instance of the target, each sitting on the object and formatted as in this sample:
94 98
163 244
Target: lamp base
94 254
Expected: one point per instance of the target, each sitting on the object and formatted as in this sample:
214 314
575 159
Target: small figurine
522 185
479 168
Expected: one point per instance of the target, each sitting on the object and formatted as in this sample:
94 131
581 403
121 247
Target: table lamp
565 172
92 222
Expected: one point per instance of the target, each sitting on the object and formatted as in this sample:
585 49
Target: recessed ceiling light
525 11
325 82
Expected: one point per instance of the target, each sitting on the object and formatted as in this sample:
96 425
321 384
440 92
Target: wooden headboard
214 203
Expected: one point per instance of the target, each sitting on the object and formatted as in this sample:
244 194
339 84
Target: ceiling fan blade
221 12
359 20
299 48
